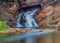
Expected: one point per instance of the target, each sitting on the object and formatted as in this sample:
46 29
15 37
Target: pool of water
47 36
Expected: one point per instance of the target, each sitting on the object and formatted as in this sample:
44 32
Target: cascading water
28 16
27 19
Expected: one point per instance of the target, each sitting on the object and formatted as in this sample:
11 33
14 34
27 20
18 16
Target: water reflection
34 37
45 39
30 40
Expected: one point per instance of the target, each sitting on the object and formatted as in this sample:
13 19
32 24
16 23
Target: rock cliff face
48 16
51 15
9 14
27 3
54 18
9 11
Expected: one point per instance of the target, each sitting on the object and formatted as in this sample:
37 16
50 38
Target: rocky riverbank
19 30
24 30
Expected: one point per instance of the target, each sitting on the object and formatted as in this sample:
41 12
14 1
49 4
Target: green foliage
10 1
5 3
3 25
13 0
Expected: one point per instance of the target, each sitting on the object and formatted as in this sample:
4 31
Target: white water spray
29 17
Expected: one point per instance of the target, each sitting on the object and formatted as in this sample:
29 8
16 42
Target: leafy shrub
3 25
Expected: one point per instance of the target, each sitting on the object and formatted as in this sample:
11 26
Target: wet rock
40 16
11 21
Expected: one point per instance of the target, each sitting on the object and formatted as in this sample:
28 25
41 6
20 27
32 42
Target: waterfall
28 16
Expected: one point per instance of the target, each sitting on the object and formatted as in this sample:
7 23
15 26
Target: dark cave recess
28 7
